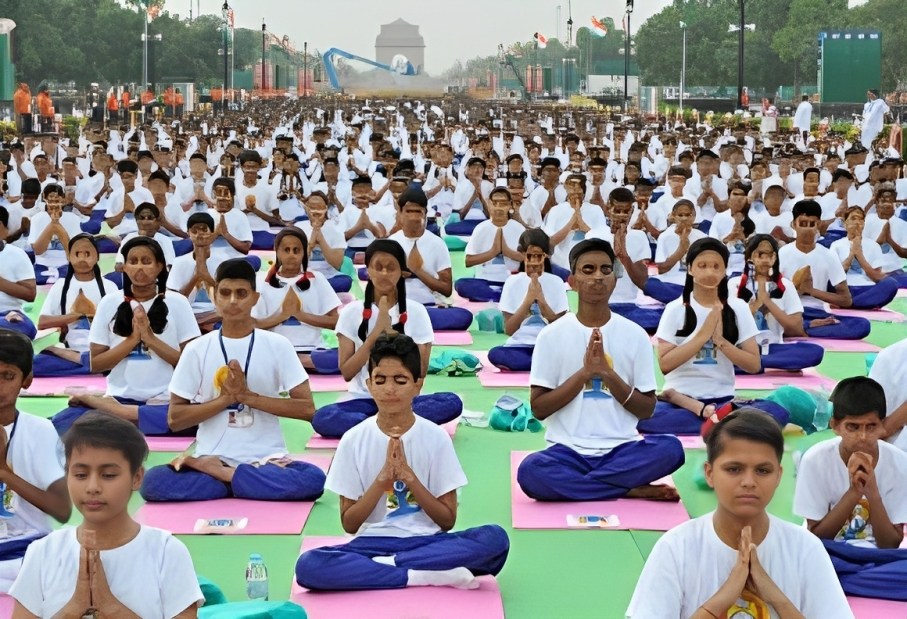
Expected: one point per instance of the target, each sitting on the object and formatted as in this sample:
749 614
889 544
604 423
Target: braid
122 320
66 281
99 280
728 316
271 277
305 280
157 313
742 291
366 310
401 305
689 319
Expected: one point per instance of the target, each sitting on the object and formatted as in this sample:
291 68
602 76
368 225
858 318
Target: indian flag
541 40
599 27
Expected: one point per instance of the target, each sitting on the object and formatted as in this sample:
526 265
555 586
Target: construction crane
507 59
399 65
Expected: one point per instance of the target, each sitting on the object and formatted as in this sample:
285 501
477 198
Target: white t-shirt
152 574
115 205
182 271
499 268
76 336
558 217
143 376
33 435
824 266
238 227
360 457
668 242
592 426
514 293
693 188
539 197
873 228
417 326
384 215
709 373
162 239
435 258
264 202
766 222
722 225
55 254
770 331
890 371
856 276
625 291
319 299
464 191
793 557
15 267
334 238
272 368
656 217
822 480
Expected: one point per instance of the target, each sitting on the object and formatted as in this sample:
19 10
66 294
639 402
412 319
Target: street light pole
305 68
226 11
144 51
627 58
683 65
740 56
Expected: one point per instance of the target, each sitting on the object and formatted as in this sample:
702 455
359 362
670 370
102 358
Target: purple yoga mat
265 517
414 602
872 608
55 386
633 513
879 315
169 443
771 380
316 441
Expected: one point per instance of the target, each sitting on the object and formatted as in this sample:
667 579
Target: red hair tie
367 313
403 318
304 277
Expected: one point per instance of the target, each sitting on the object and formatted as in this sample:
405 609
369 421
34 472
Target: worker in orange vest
45 109
148 101
217 98
22 106
179 101
113 108
168 101
125 104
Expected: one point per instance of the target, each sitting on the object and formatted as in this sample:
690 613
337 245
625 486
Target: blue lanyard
220 335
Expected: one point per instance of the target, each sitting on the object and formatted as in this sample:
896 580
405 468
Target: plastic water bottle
256 578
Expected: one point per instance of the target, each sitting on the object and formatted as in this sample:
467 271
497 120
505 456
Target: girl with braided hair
70 305
384 309
776 307
298 303
701 337
137 336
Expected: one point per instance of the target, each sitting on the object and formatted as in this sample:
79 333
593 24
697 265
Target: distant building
400 37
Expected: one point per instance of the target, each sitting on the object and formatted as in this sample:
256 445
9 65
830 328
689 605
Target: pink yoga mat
879 315
771 380
453 338
265 517
324 383
411 602
490 376
692 441
871 608
633 513
8 604
316 441
56 385
169 443
844 345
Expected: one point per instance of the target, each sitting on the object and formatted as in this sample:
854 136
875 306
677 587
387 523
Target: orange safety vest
147 97
217 94
22 101
112 104
168 96
125 100
45 105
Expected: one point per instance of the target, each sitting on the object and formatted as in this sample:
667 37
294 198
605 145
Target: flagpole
683 66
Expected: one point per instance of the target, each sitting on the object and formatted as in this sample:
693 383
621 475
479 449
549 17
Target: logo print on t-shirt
400 501
857 527
748 606
886 248
707 355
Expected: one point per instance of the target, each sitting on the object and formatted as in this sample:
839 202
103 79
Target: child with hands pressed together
397 476
110 566
748 562
671 251
863 261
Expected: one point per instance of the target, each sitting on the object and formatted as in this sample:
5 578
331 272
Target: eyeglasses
589 269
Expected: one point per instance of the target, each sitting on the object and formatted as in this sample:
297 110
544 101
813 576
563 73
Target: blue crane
328 58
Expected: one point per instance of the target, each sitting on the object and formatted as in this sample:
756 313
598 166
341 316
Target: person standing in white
874 111
803 118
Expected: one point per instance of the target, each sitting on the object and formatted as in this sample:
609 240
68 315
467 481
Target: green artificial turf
551 574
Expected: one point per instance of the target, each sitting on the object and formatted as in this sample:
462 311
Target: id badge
239 416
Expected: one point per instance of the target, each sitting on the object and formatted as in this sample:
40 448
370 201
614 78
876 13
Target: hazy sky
452 28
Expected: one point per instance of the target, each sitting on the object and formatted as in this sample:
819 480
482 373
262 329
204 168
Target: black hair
500 190
235 268
16 350
589 245
748 424
535 237
31 187
70 272
305 278
247 156
393 248
399 346
52 188
856 396
577 177
810 208
224 181
621 194
127 165
728 317
148 206
157 313
200 218
749 272
159 175
104 431
679 171
841 173
4 217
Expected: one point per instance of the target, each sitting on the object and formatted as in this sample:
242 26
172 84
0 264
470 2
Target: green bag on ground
253 610
213 594
490 320
511 414
454 362
348 268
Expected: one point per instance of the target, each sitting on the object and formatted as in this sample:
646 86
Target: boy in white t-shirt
229 382
749 563
192 274
110 565
397 476
255 197
671 251
49 236
813 268
17 283
889 232
863 261
327 243
593 379
428 261
850 490
32 489
364 221
120 215
890 370
232 234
